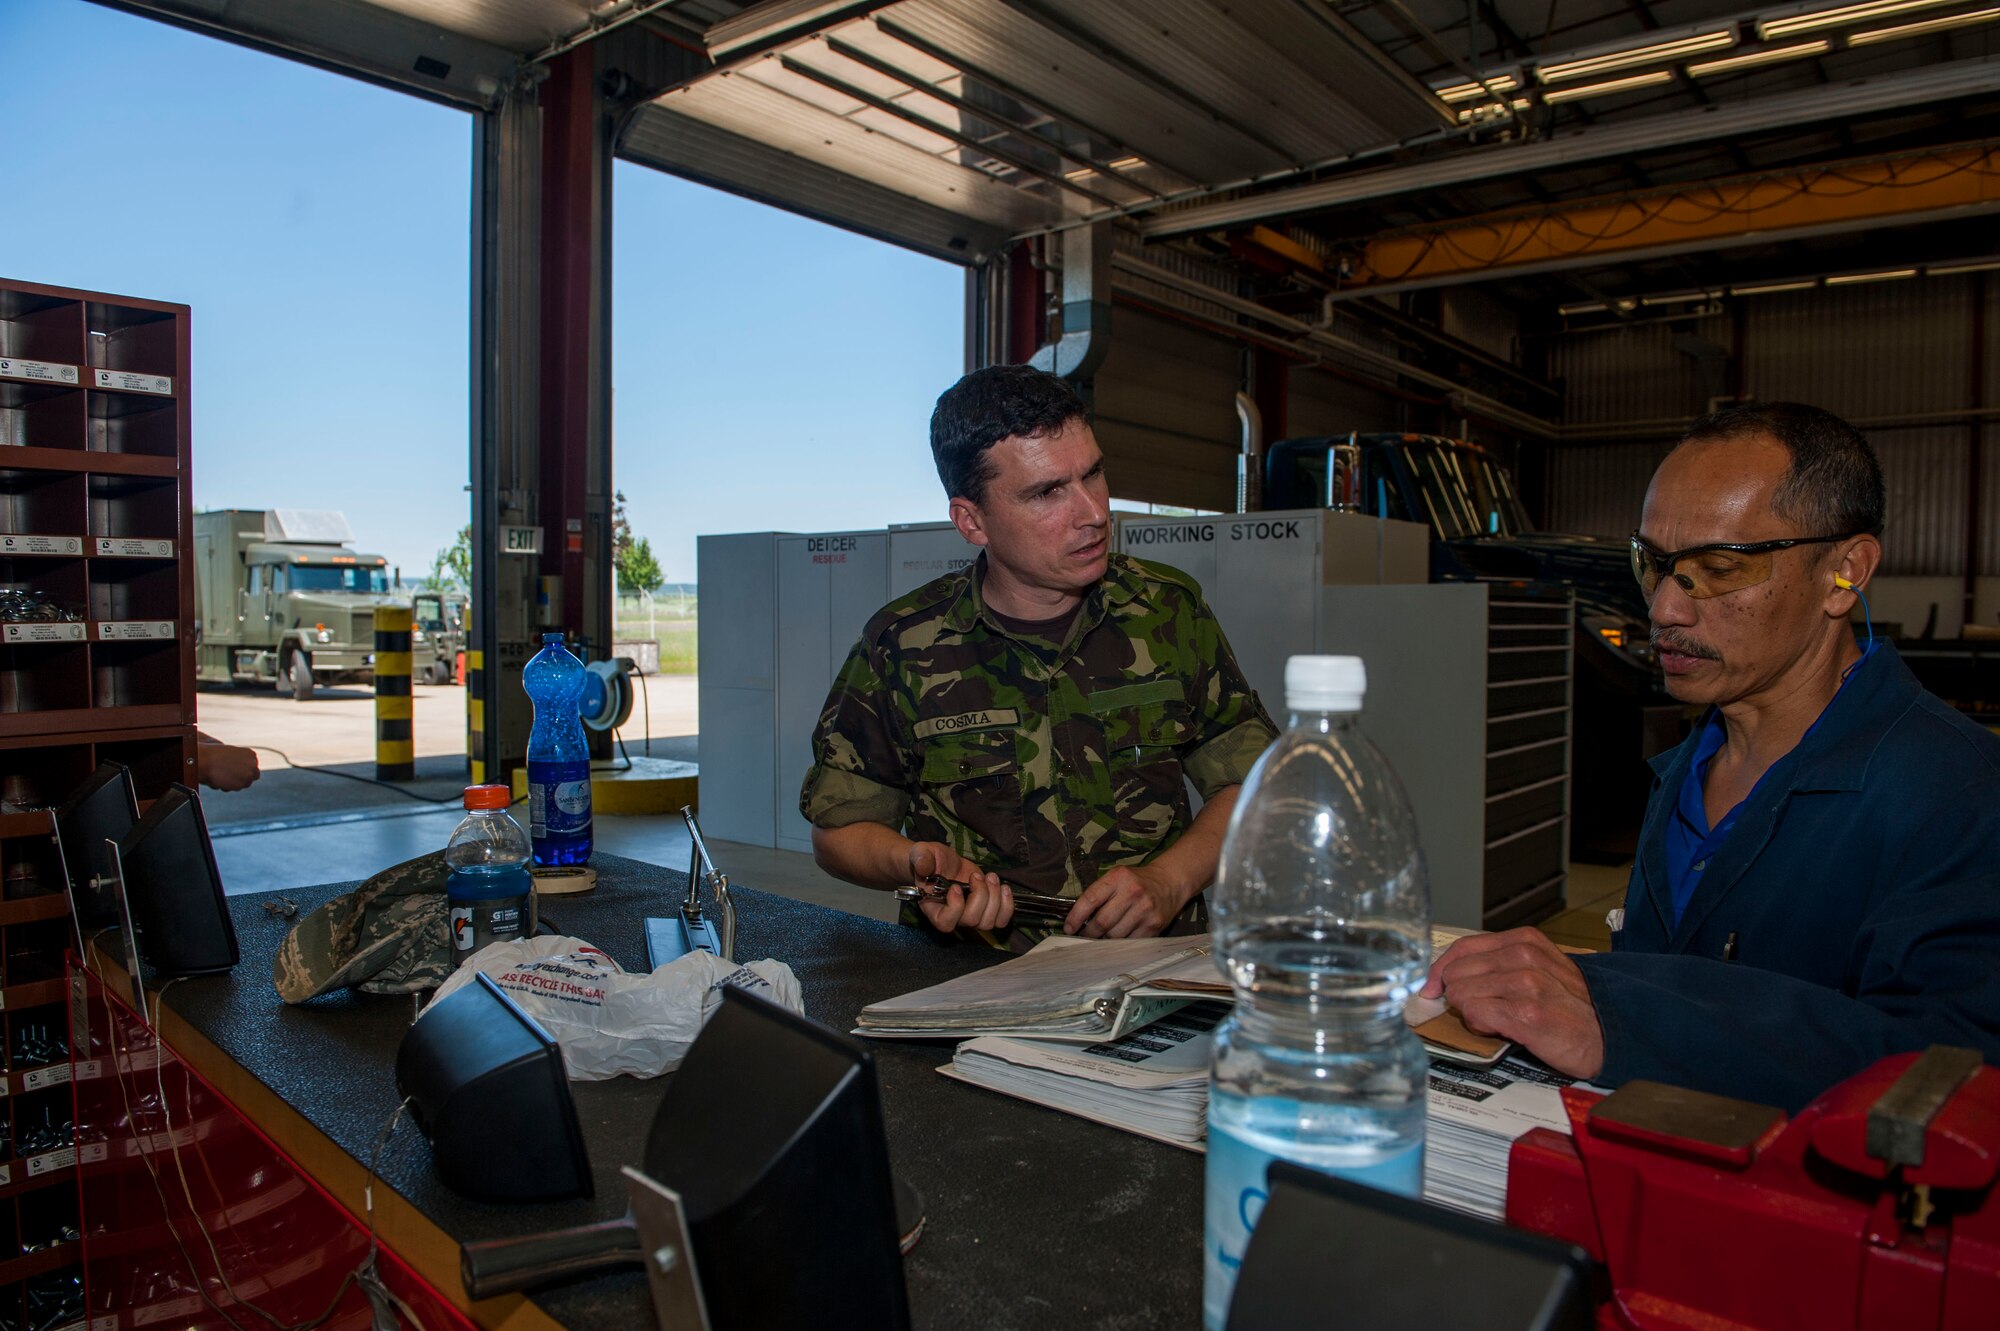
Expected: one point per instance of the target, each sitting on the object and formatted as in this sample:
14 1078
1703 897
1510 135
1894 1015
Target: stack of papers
1152 1082
1474 1116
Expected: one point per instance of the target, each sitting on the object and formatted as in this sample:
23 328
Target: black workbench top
1036 1219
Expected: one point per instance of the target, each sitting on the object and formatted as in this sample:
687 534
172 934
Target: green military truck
285 599
437 636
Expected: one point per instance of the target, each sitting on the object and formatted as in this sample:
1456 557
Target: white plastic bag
611 1022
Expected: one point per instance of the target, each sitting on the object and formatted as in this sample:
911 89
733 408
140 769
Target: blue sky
769 371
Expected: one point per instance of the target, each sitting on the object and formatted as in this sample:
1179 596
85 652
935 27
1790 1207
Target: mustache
1673 640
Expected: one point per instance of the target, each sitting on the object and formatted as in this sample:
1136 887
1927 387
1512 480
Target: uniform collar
1120 584
1835 752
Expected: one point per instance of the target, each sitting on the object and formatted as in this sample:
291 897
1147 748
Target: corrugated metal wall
1597 491
1871 353
1321 403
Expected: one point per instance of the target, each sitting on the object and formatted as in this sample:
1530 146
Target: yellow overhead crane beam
1902 189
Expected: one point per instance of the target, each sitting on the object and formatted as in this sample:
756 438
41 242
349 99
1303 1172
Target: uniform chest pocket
1143 722
950 759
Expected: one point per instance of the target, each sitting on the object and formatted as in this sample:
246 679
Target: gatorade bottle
1321 921
490 894
558 756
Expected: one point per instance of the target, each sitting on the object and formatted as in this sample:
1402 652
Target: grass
677 639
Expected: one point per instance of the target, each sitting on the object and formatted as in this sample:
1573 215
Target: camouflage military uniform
1047 763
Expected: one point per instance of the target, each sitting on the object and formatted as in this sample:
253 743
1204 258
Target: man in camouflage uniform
1033 720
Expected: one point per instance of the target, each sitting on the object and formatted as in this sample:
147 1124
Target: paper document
1153 1082
1474 1115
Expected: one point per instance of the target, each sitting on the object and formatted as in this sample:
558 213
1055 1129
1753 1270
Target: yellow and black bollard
395 713
475 706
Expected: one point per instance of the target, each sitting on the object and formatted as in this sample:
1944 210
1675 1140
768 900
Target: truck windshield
338 578
1464 493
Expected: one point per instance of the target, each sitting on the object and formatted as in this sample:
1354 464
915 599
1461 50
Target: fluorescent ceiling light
1465 92
1594 307
1080 173
1946 270
1615 85
1852 279
1682 298
1657 53
1128 164
1814 20
1766 288
1757 58
1875 35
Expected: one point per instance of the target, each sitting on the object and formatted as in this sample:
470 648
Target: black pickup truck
1480 532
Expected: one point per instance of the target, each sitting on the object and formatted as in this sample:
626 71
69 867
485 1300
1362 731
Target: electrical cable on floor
350 776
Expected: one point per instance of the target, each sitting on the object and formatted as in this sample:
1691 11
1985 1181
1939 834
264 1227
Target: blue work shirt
1861 880
1691 842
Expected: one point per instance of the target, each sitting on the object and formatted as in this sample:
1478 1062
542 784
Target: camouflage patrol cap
388 936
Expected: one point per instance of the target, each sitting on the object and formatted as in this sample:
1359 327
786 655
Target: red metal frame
267 1229
569 242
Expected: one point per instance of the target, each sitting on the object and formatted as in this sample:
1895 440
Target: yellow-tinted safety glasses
1714 569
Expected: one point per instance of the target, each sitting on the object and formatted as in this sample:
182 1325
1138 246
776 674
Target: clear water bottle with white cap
1321 923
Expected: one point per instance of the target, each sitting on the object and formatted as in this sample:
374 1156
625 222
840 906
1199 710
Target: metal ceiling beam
1098 163
1056 21
683 146
1965 78
910 116
360 40
974 72
1819 200
1314 336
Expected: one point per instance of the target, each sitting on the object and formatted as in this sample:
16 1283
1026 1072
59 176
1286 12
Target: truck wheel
301 678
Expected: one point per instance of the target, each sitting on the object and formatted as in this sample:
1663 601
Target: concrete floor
338 725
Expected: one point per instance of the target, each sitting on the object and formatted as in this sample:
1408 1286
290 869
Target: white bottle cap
1325 683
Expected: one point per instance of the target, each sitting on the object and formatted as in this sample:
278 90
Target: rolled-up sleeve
1232 729
861 770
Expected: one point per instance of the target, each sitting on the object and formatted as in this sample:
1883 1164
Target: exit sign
521 540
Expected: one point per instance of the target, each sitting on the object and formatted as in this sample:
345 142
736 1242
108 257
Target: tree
632 558
452 568
637 568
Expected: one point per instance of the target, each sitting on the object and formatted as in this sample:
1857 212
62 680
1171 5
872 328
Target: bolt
666 1257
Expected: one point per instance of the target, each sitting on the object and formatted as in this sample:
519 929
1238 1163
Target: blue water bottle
490 894
558 756
1321 922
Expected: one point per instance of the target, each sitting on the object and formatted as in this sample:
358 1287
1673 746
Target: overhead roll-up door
1164 410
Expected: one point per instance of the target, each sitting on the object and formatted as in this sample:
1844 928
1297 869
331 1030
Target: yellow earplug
1842 583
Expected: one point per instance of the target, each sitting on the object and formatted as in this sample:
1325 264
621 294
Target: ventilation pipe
1086 305
1250 462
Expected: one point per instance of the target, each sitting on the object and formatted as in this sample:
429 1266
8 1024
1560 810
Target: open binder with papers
1087 990
1065 989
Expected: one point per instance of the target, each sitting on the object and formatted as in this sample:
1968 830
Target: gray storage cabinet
1469 699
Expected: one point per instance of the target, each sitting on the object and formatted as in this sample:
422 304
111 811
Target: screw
666 1257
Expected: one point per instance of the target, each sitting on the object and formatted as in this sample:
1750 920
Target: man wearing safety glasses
1818 877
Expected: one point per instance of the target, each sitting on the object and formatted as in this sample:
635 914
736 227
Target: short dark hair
1834 486
986 406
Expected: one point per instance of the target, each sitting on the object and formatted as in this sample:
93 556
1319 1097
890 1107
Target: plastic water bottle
558 756
1321 923
490 894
